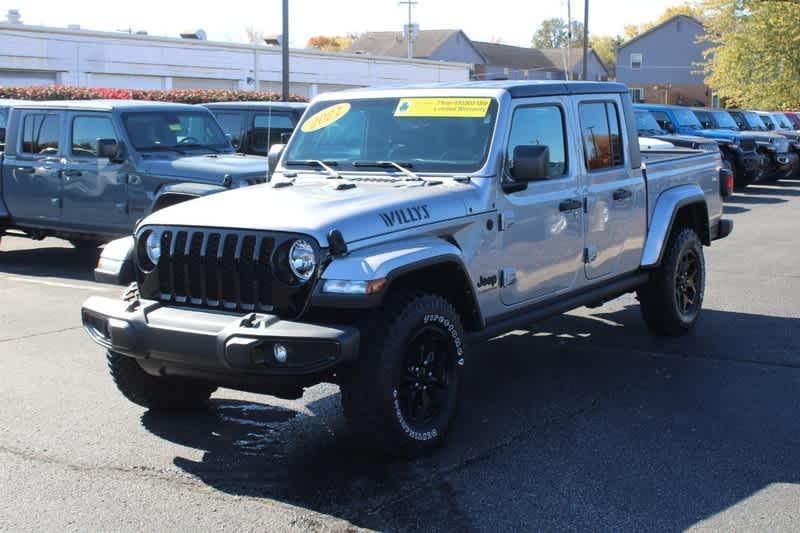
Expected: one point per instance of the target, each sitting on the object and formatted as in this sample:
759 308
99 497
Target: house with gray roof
522 63
437 45
663 64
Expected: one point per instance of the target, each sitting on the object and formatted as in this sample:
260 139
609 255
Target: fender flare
667 206
388 261
188 191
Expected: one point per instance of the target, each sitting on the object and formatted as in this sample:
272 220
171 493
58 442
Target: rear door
95 189
32 177
615 194
268 128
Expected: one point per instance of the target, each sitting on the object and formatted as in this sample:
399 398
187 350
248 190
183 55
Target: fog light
281 353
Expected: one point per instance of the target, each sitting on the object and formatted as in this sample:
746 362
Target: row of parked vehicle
87 171
755 146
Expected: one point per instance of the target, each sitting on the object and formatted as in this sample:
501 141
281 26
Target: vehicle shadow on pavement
754 200
585 422
60 262
776 191
734 210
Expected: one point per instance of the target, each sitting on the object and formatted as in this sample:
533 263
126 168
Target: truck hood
314 206
208 167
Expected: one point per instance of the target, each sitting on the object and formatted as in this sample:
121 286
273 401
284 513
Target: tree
334 43
554 33
606 48
755 58
691 9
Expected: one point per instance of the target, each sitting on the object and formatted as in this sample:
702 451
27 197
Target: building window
636 61
637 94
715 100
548 75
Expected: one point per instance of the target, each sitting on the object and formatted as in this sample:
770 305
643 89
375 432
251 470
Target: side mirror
107 148
530 163
669 126
285 136
275 152
234 142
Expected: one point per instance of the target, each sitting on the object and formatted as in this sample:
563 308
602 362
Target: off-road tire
86 244
659 299
156 393
374 387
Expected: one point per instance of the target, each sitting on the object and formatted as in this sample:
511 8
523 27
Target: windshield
783 122
425 134
687 119
753 121
724 120
646 123
154 130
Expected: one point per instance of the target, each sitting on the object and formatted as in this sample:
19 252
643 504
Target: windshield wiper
324 165
207 147
402 167
159 148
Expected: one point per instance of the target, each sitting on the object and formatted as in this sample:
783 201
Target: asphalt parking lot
584 422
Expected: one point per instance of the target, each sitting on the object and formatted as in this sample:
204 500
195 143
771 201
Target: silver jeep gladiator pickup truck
401 228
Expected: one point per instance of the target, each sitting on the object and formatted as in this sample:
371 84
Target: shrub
187 96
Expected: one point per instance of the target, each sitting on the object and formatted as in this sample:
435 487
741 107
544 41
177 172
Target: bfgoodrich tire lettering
402 394
672 300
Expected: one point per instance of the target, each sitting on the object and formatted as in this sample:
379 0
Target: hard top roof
256 104
106 105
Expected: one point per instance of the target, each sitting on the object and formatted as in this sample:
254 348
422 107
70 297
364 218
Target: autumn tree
554 33
331 43
606 48
755 58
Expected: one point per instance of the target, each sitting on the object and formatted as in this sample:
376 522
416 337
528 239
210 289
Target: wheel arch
169 195
683 206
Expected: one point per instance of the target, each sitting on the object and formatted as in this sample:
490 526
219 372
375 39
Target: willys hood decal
314 206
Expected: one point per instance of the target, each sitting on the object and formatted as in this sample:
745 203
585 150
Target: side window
232 125
40 134
636 61
3 117
705 119
86 131
602 142
540 125
267 130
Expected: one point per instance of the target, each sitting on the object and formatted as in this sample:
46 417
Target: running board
561 304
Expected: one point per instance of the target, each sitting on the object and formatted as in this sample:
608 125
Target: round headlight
152 246
302 260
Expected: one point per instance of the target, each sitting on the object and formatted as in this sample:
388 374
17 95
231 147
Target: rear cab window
231 122
40 134
269 129
600 132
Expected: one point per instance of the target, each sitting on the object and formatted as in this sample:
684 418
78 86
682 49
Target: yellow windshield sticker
175 127
443 107
325 118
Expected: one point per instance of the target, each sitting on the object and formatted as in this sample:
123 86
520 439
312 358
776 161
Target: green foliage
554 33
187 96
755 59
606 48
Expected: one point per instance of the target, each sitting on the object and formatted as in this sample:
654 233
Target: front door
615 192
32 178
95 189
542 225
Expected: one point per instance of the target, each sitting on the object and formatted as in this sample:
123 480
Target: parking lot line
58 284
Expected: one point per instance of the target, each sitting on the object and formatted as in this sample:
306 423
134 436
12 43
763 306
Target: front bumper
180 341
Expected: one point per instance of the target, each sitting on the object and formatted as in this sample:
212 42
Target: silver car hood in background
359 209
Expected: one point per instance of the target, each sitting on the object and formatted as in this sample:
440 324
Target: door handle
73 173
622 194
26 170
570 205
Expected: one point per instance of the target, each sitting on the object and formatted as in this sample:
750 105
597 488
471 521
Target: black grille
230 270
747 145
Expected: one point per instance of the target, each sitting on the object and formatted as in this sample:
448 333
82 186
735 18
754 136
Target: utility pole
568 66
285 53
410 28
585 39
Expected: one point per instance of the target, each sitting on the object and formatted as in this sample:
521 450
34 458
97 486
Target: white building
36 55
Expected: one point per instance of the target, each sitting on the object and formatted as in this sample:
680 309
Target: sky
510 21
